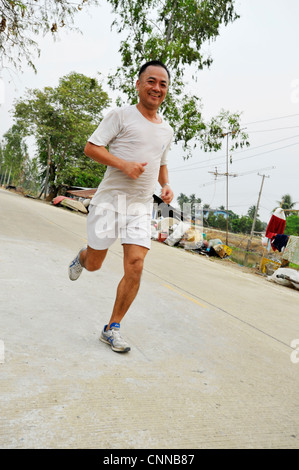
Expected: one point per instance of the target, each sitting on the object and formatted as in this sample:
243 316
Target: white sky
255 71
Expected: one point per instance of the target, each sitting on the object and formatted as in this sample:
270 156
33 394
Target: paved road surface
210 364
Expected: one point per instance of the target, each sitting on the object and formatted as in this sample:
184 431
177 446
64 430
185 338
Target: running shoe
113 338
75 268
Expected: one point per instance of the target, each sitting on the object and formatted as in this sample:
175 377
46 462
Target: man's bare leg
91 259
87 258
129 285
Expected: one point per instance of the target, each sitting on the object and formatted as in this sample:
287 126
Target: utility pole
226 134
227 188
227 174
255 217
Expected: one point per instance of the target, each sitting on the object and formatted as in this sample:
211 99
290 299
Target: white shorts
104 226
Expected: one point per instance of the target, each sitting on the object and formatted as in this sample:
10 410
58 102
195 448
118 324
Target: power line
268 151
262 153
245 173
275 129
271 119
239 159
236 153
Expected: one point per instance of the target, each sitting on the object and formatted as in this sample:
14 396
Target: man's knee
134 267
93 260
91 265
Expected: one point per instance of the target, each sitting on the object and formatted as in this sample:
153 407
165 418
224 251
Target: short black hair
155 63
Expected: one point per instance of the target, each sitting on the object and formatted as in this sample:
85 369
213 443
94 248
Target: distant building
215 212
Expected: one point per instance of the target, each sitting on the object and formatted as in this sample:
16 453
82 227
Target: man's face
152 86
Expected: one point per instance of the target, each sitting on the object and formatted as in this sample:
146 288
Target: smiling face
152 87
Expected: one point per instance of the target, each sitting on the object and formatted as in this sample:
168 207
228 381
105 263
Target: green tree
287 203
176 32
182 199
22 21
64 117
236 223
14 154
292 225
245 224
192 200
211 220
251 212
31 181
206 208
221 222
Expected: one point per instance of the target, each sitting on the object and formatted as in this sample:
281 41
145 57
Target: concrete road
211 364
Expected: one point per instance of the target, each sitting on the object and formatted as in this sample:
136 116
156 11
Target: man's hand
134 169
167 194
101 155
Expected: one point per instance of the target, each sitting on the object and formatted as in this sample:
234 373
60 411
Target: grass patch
239 256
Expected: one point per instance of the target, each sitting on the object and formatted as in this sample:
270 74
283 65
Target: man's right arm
101 155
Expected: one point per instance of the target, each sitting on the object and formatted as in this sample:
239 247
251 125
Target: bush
292 225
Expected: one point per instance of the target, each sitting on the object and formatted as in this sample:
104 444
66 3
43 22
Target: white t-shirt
132 137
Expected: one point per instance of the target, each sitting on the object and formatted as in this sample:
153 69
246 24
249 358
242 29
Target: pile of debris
78 199
174 232
71 203
285 277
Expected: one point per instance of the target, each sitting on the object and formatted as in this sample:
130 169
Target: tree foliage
216 218
287 203
61 119
192 200
13 155
292 225
251 212
172 30
236 223
22 21
176 31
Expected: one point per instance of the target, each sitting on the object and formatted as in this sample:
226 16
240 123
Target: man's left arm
166 191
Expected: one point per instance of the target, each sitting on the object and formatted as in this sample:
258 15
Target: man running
138 140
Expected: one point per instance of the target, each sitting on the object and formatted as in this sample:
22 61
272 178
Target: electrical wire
271 119
259 146
257 155
183 167
275 129
268 151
